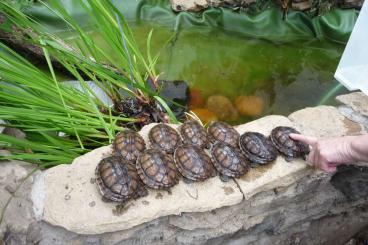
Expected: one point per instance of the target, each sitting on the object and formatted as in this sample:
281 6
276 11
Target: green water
287 77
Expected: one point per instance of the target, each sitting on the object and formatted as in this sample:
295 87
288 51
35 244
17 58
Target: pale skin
328 153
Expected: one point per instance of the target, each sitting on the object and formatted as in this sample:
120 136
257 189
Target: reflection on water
287 77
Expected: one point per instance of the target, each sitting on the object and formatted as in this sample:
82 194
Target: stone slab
324 121
73 201
277 174
358 101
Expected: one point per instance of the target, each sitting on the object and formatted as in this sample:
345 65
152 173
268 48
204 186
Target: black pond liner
268 25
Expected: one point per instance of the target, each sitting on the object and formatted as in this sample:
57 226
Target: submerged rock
249 105
222 107
196 99
205 115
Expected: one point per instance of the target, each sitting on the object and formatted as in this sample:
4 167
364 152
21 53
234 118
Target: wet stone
222 107
249 105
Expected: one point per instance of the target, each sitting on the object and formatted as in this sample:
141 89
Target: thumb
305 139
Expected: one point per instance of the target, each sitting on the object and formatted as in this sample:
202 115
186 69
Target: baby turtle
164 137
229 161
193 163
118 180
288 147
193 132
157 169
258 149
128 144
220 131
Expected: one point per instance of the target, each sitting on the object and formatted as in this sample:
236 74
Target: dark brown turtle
220 131
287 146
164 137
128 144
193 163
229 161
157 169
118 180
258 149
194 133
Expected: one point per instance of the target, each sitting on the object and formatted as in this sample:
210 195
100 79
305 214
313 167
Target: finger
317 161
310 158
305 139
330 168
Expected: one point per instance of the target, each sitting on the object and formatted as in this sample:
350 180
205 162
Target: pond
258 77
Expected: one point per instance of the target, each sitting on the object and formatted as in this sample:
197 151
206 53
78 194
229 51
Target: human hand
328 153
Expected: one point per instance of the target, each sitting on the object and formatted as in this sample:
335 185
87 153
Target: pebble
205 115
222 107
249 105
196 99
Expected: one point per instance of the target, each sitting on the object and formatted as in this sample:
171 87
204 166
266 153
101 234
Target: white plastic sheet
352 71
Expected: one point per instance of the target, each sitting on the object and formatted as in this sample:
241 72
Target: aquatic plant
62 122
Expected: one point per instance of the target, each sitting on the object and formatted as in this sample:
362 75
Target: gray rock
352 181
358 101
15 133
324 121
188 5
354 116
301 6
15 202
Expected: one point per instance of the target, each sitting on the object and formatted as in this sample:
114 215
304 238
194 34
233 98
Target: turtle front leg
188 181
224 178
121 208
289 158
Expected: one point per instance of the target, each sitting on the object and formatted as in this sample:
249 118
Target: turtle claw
289 158
224 178
121 208
188 181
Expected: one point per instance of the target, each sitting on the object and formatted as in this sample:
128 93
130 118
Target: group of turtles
132 167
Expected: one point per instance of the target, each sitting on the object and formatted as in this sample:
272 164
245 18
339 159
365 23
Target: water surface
286 76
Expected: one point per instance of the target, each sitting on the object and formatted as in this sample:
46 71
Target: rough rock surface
355 107
188 5
299 206
310 211
15 200
276 174
352 181
222 107
300 5
70 189
324 121
357 101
